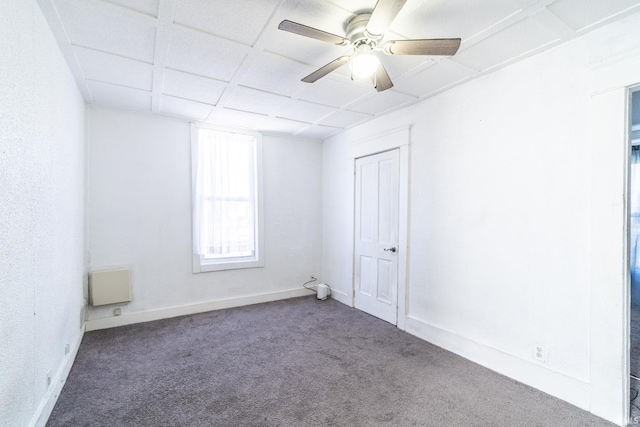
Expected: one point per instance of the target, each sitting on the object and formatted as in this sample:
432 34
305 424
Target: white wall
42 191
502 221
140 216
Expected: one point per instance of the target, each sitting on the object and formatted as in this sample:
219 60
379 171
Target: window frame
202 264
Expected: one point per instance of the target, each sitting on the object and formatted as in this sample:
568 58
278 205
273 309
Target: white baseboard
342 297
49 400
569 389
165 313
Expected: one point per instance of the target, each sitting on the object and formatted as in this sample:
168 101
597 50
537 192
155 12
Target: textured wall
500 217
41 210
140 213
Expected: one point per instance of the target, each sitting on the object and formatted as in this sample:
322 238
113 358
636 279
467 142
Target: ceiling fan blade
314 33
321 72
381 79
382 16
422 47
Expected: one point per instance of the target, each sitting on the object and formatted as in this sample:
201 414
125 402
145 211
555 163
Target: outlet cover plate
540 352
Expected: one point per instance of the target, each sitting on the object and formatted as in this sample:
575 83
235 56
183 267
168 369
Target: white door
376 235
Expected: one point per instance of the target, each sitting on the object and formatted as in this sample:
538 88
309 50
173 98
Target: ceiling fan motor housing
357 33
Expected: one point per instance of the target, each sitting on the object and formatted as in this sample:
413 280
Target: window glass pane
228 191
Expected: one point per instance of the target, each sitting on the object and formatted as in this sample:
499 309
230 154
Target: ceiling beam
166 13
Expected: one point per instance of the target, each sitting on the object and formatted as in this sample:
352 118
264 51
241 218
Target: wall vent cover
109 286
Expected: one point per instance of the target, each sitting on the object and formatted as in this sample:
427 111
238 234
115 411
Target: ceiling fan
363 33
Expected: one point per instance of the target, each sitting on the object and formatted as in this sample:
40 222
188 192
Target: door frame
398 138
613 80
627 227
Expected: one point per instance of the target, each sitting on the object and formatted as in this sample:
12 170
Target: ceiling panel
203 54
447 73
382 102
116 69
192 87
226 61
274 73
581 14
523 36
527 3
276 125
353 6
238 118
319 132
150 7
109 28
344 119
255 101
185 108
119 96
303 111
450 18
240 21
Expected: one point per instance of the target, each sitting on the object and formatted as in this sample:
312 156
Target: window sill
204 266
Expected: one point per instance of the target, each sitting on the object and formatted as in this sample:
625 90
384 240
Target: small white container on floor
323 291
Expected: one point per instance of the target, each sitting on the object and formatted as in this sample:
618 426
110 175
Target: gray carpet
635 342
300 362
634 415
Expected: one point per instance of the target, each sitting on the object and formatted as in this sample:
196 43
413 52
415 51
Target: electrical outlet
117 311
48 378
540 352
67 348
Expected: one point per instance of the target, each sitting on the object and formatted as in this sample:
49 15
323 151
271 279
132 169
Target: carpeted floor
635 342
634 359
634 416
299 362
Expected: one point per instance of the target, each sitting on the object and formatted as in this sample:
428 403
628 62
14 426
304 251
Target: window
227 225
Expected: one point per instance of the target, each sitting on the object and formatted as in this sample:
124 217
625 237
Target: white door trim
610 281
398 138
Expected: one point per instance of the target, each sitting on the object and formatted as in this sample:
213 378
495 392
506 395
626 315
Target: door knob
390 249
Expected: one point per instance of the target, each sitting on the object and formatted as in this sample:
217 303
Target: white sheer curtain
224 194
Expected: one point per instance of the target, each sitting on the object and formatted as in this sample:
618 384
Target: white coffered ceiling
226 62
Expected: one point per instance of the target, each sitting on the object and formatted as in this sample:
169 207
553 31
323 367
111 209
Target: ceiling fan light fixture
364 63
